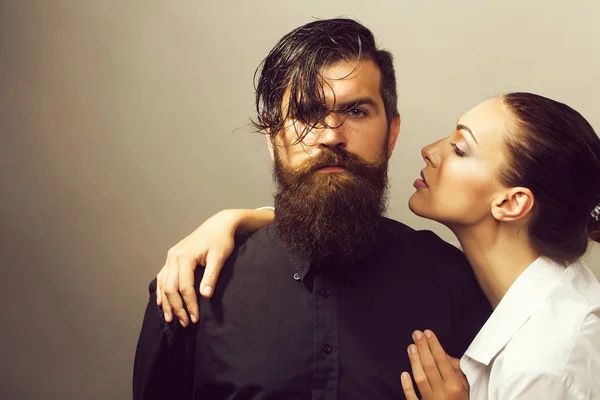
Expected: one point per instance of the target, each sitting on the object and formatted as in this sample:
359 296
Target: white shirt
542 341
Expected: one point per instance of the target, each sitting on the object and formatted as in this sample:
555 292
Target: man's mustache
336 157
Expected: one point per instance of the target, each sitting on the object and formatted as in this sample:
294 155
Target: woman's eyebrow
460 127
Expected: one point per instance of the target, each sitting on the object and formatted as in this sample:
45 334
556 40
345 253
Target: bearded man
322 303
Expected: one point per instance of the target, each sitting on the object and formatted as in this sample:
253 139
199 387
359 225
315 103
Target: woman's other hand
437 375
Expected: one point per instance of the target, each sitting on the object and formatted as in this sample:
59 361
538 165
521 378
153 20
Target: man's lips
331 169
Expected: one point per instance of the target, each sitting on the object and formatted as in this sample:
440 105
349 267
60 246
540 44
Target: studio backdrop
124 124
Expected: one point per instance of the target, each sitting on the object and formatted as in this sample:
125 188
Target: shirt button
325 348
324 292
296 276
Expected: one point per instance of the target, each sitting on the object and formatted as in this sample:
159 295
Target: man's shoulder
257 248
421 240
253 256
447 266
257 240
435 256
393 226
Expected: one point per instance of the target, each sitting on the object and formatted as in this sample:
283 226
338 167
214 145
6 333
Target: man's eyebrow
350 104
460 127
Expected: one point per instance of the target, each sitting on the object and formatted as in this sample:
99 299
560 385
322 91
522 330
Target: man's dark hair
555 152
296 64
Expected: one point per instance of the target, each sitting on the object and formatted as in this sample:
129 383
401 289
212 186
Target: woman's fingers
160 291
171 294
438 354
418 372
214 264
428 362
407 387
455 363
158 286
187 266
436 374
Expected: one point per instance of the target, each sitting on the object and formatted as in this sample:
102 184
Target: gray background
124 125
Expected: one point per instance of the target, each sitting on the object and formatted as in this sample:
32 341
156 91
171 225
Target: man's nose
332 134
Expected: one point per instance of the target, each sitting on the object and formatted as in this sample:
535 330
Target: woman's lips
421 183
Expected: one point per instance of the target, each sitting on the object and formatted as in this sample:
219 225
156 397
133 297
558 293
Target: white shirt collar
514 308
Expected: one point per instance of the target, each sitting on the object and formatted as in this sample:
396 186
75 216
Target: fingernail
167 317
428 333
417 335
404 376
193 318
207 291
182 323
412 349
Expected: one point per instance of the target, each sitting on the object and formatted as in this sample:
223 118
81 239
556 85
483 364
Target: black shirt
278 327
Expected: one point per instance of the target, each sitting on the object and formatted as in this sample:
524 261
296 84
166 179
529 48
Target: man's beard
330 215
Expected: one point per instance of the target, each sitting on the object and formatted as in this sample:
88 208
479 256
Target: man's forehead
344 82
349 80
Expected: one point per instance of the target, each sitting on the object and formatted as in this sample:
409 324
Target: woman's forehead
487 121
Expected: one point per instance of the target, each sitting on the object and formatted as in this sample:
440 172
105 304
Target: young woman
518 183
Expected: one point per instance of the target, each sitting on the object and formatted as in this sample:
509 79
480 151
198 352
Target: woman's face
460 179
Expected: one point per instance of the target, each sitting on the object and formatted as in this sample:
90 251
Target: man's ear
393 134
513 204
270 145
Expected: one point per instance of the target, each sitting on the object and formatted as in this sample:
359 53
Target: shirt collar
301 264
515 308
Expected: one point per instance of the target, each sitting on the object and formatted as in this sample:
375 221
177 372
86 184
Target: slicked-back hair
292 73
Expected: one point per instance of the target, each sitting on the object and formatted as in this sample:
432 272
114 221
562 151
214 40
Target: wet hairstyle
295 64
554 151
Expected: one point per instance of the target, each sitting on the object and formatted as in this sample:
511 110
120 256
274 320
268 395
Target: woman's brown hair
554 151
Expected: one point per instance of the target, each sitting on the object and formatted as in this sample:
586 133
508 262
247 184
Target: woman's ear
513 204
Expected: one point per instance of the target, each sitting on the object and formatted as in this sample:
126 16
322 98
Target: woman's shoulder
561 337
565 350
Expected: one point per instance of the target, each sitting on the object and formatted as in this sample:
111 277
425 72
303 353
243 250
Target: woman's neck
498 254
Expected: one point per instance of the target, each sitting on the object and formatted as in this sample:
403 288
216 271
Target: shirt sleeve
535 386
164 357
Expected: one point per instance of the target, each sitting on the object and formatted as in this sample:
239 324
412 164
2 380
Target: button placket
327 337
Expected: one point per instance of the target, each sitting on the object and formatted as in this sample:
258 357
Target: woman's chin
417 207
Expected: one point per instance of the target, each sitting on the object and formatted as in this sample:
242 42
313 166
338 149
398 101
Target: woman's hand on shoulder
209 245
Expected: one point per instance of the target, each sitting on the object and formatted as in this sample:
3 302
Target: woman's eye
458 151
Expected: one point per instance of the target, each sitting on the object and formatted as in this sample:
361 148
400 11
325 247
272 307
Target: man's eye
356 112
